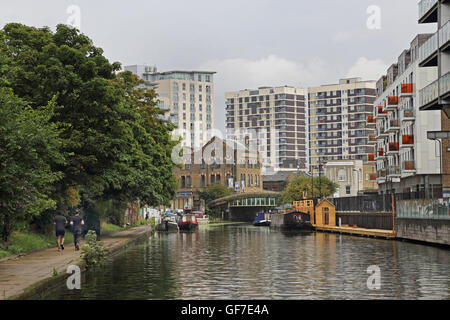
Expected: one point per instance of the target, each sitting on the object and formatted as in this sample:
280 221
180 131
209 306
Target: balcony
408 141
444 36
393 126
394 147
371 122
393 171
408 167
372 177
428 11
372 139
429 96
381 154
408 115
407 89
381 176
371 157
381 113
383 133
428 52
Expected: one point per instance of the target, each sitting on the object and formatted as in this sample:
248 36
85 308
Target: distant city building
354 177
218 161
188 99
435 95
406 160
337 122
273 120
279 181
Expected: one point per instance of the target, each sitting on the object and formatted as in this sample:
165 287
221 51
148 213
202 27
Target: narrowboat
188 222
167 223
293 220
262 220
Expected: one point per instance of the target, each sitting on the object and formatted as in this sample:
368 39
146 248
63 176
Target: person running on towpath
76 224
60 227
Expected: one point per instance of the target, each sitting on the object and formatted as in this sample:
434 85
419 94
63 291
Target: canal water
245 262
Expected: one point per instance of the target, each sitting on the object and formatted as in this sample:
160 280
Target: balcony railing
371 157
372 176
408 88
408 139
394 146
393 171
393 124
444 84
381 153
425 6
408 166
371 120
408 114
392 101
372 138
444 34
429 93
428 48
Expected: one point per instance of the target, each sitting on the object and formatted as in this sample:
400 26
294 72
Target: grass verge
26 242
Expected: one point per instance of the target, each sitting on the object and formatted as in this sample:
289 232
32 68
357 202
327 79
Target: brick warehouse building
218 161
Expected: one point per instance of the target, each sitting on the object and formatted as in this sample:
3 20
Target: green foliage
110 228
29 149
214 191
28 241
309 187
89 135
92 251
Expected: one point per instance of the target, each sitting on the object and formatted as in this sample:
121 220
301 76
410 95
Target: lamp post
357 180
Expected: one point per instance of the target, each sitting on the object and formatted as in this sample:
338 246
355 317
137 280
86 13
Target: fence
367 203
423 209
381 221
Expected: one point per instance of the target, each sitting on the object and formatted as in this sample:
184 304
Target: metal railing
425 6
429 93
428 48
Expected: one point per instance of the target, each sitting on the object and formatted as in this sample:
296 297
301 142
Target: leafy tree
115 145
213 192
301 186
29 148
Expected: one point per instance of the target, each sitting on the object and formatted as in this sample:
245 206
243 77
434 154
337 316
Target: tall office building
435 52
406 160
188 99
272 119
337 123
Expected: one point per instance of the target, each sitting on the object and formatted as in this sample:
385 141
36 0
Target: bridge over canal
245 206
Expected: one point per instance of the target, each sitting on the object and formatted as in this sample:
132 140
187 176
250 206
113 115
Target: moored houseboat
188 222
262 220
293 220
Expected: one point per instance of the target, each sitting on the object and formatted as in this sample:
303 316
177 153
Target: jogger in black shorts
76 224
60 227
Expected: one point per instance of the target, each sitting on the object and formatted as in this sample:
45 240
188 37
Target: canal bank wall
29 276
436 231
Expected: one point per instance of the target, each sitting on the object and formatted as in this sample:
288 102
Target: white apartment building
406 160
273 120
188 99
337 123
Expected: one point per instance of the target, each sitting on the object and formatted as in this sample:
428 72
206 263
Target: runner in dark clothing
76 224
60 227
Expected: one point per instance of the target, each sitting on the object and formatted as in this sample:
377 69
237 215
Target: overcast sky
249 43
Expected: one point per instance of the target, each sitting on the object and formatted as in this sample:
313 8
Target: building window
213 179
188 181
203 181
183 182
347 189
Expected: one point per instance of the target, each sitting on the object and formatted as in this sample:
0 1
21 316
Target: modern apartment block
337 123
188 98
435 52
406 160
272 119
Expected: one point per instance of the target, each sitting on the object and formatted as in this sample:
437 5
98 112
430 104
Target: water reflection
246 262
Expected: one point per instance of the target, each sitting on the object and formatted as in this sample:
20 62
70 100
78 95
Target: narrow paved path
20 273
